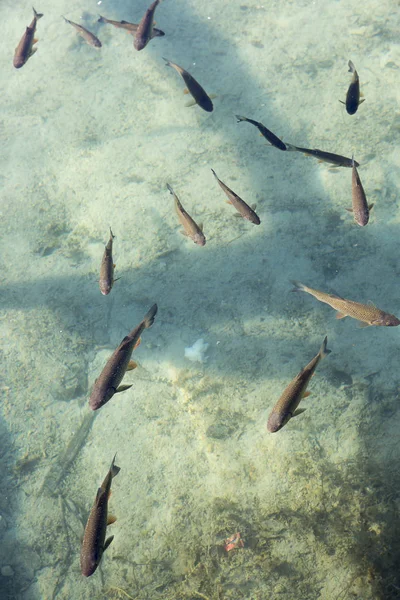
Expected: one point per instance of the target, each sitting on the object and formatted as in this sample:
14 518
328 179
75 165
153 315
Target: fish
25 48
131 27
361 207
94 539
286 407
271 137
87 35
193 87
108 382
368 314
106 280
353 93
243 209
329 157
144 32
190 227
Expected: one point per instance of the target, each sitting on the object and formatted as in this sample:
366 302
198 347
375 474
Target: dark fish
88 36
131 27
240 205
25 48
368 314
199 95
144 32
119 362
94 539
271 137
106 280
190 227
335 159
286 407
353 93
360 208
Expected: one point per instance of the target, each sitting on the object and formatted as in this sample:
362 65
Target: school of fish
108 382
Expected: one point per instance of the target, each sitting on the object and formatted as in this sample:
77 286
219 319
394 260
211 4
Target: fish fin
137 343
111 519
190 103
342 102
371 303
349 209
305 395
186 91
363 324
290 147
298 412
201 226
107 542
37 15
150 316
340 315
123 388
323 351
35 40
157 33
212 96
117 279
361 101
32 52
114 468
370 206
228 201
131 365
298 287
183 232
253 206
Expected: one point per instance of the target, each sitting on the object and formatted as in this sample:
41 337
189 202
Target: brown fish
94 540
108 382
286 407
87 35
144 32
368 314
361 207
131 27
271 137
193 87
106 280
190 227
322 156
353 93
25 48
243 209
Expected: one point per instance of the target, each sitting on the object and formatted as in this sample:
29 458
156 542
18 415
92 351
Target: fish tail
114 469
150 316
214 173
37 15
324 351
290 147
111 233
101 19
352 68
171 191
298 287
239 118
167 62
